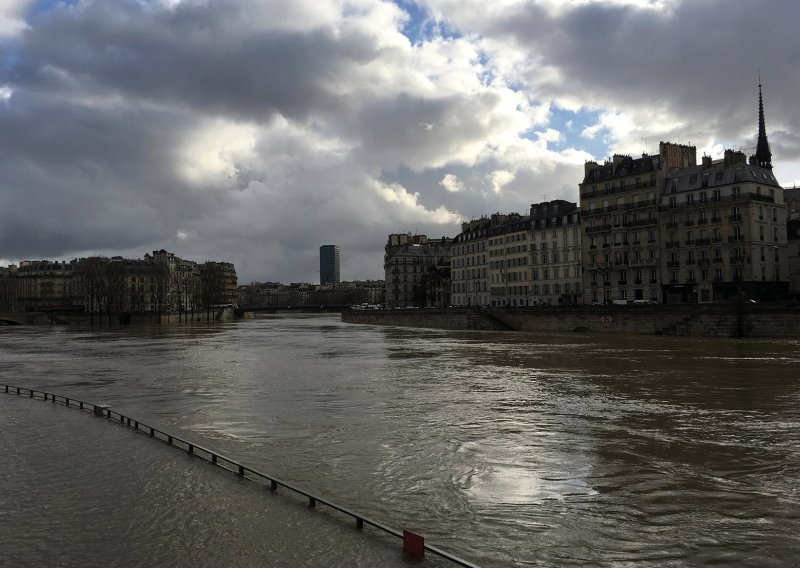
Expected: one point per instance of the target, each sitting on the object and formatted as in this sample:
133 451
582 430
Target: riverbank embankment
700 320
112 320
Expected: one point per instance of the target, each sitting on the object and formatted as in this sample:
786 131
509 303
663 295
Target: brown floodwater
507 449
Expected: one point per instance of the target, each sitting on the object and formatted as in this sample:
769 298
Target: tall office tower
329 264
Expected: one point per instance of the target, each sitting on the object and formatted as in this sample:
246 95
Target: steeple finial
763 155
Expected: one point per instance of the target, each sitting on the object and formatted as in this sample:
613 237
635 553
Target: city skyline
133 130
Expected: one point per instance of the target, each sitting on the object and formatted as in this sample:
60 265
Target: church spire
763 155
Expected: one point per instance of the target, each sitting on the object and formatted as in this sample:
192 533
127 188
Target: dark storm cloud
211 56
73 177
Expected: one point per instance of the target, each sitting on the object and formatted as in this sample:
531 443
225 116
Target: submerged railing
216 458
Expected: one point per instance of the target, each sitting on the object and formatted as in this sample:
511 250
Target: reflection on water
509 449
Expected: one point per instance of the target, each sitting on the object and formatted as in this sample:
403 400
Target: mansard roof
626 166
718 174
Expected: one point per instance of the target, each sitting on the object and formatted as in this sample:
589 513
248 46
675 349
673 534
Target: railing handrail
215 457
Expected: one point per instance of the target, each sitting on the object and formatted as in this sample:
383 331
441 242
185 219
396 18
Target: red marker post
413 544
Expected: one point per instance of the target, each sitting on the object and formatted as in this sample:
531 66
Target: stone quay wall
225 314
700 320
450 318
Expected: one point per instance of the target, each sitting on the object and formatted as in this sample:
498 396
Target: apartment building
509 261
555 252
619 210
724 232
469 259
417 271
161 283
43 285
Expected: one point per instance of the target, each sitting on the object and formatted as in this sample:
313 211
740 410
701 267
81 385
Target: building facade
417 271
329 263
509 262
620 213
469 272
160 283
555 252
723 232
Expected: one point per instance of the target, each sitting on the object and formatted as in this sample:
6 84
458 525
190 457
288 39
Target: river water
507 449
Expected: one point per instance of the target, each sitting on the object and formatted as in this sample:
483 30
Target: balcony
702 242
704 262
691 262
672 225
688 223
735 238
716 240
671 244
716 219
702 221
688 243
640 223
734 218
673 264
654 281
622 283
717 260
637 281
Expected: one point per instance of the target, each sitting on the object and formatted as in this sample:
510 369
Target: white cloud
500 179
12 17
451 183
210 152
407 206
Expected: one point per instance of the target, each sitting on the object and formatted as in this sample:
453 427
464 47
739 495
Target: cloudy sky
256 130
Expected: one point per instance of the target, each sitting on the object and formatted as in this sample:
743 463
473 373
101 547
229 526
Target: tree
161 288
91 278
